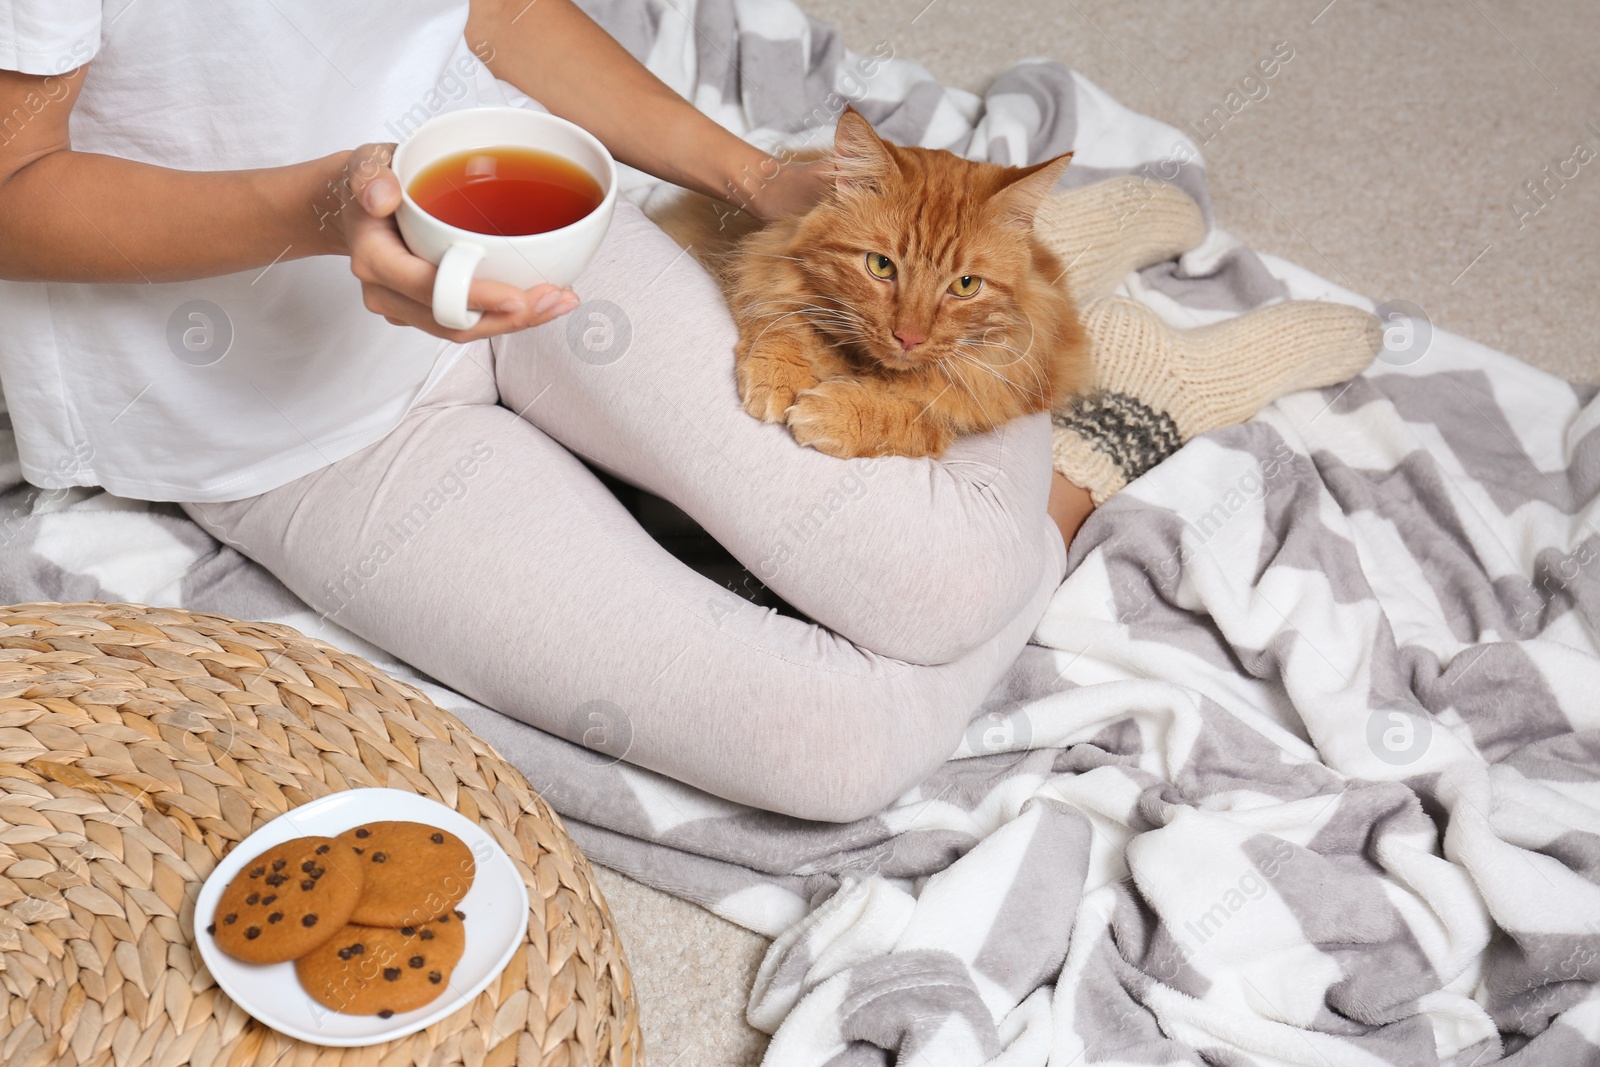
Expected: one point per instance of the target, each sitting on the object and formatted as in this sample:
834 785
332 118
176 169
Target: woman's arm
81 217
559 56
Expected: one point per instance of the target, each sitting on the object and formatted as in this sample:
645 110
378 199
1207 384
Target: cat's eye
966 285
880 265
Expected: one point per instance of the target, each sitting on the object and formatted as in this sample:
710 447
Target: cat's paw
848 418
768 387
827 421
767 402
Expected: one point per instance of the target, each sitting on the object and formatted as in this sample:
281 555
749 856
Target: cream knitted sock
1103 231
1156 387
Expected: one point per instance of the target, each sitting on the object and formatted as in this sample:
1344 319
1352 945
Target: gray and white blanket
1302 767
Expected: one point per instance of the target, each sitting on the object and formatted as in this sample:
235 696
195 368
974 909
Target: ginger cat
910 306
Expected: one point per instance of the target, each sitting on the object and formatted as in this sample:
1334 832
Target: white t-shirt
224 387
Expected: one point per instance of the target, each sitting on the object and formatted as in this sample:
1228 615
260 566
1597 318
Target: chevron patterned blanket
1301 767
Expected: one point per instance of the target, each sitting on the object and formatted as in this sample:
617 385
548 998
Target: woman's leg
470 544
922 560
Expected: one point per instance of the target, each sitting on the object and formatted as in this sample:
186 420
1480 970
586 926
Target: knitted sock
1103 231
1156 387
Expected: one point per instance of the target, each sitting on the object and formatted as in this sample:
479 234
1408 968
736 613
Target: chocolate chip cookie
414 872
288 900
379 970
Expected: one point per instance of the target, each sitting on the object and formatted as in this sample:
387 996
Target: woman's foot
1156 387
1107 229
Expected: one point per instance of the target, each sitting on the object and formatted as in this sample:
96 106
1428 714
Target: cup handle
450 287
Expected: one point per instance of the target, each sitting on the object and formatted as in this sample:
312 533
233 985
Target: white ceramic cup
556 256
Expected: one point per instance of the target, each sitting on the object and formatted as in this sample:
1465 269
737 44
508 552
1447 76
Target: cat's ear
861 162
1019 200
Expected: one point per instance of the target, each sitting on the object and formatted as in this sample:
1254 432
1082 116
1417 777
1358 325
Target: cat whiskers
985 342
929 405
794 308
836 315
956 371
1018 356
770 325
1038 391
953 374
837 322
801 307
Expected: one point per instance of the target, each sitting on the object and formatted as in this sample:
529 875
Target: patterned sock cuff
1085 466
1110 439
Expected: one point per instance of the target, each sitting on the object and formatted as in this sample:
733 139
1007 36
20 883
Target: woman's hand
795 189
557 54
399 285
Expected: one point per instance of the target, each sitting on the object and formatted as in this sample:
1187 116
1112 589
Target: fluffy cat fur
824 335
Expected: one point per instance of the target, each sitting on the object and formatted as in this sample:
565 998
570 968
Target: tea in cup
502 193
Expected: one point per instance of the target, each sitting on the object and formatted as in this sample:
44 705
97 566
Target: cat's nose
908 340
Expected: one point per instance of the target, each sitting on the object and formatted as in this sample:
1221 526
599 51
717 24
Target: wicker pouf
138 745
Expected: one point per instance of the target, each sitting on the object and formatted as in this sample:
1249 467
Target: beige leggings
472 543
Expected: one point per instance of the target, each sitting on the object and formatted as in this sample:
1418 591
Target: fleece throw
1302 767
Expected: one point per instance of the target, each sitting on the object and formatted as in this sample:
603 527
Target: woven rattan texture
138 745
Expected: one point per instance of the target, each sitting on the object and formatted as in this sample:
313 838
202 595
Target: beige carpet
1386 155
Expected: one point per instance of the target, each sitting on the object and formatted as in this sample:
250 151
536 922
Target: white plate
496 908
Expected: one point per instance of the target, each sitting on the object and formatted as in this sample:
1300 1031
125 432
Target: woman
187 227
